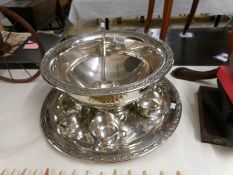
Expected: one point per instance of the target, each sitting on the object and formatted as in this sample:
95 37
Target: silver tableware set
111 101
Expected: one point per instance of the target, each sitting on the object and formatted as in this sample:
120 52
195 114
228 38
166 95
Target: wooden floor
199 50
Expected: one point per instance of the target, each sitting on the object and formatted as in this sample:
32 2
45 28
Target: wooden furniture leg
192 75
230 48
166 18
149 17
142 19
107 23
217 20
190 16
230 45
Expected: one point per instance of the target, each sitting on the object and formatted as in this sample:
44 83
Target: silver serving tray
142 133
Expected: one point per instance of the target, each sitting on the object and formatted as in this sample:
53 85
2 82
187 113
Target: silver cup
106 130
152 106
71 126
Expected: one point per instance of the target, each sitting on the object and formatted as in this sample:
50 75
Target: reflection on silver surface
75 66
105 128
91 134
112 104
152 105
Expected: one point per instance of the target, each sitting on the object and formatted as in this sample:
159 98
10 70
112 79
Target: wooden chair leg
190 16
142 19
150 12
230 45
166 18
107 23
217 20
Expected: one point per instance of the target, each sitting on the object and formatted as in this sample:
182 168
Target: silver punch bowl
110 100
75 66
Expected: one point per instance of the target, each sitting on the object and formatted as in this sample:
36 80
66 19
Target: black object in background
216 119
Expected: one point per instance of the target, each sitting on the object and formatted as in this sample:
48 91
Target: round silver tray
142 133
